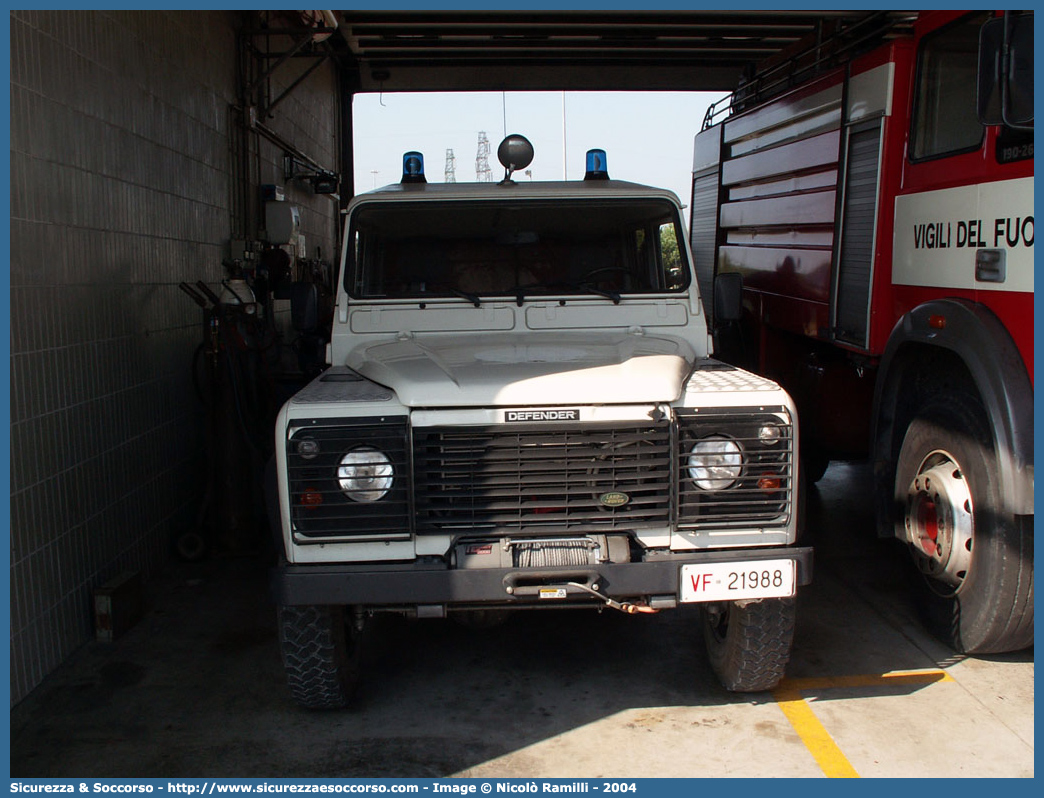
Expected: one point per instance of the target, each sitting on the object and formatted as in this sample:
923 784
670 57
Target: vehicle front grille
761 494
540 478
595 477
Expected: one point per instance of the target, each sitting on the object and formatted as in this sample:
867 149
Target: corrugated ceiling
581 50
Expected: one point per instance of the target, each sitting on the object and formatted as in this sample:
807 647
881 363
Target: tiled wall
120 190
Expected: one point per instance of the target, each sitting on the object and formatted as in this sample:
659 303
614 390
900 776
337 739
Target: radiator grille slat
491 477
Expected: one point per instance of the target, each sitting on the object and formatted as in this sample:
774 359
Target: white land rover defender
522 411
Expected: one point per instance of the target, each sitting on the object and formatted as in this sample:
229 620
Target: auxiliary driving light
769 434
308 448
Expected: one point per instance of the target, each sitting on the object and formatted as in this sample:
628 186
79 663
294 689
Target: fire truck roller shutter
953 465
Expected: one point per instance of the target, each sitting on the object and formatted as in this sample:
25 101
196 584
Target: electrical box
270 191
282 222
118 605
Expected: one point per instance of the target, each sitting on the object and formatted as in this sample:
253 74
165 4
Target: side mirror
1005 79
728 297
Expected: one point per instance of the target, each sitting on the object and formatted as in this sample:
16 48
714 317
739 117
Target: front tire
320 654
975 558
749 642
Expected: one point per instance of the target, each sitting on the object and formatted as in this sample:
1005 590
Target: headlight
715 463
365 474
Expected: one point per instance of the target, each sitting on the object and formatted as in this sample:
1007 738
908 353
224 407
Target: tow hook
625 607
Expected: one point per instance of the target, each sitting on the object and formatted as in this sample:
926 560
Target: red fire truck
862 213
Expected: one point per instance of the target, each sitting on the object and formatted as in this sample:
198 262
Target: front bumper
431 587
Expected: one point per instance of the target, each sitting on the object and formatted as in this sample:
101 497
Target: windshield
515 248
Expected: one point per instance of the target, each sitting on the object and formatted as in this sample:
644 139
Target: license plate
730 581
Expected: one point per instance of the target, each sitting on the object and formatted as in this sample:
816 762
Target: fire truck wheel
976 560
748 643
320 654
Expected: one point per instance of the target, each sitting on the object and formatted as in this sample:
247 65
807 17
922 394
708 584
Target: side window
656 254
674 277
945 119
356 288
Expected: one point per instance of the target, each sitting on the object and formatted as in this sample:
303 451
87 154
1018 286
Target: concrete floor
196 689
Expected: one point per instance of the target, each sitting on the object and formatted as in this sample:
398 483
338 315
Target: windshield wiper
613 295
474 299
520 295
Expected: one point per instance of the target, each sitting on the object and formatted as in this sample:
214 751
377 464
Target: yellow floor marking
817 740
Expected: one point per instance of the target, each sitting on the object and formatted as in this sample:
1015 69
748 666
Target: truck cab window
945 119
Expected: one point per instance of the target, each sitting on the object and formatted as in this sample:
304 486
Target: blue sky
647 136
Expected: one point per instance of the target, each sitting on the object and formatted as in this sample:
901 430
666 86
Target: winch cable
626 607
550 553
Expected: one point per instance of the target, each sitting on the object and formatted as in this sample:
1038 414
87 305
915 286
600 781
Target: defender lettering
542 415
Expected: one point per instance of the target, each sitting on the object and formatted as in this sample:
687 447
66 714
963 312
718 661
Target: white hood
509 369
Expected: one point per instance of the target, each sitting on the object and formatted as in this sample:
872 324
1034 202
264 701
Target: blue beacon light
596 166
413 168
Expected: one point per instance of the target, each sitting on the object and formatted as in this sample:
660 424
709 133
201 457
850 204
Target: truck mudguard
973 333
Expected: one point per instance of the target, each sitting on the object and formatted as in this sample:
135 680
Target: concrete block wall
120 190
